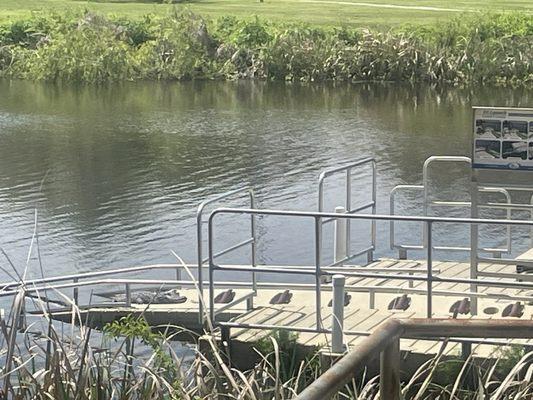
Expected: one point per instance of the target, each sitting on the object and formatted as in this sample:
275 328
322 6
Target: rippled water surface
114 174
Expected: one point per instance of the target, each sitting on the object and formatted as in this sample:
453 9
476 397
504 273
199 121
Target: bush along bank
479 49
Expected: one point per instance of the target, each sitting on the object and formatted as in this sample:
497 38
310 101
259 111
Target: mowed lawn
323 12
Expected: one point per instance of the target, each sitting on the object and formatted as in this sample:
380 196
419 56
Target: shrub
496 49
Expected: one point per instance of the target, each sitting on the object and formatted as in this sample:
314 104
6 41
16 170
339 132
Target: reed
131 360
41 359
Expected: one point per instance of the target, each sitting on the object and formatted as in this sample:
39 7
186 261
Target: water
114 174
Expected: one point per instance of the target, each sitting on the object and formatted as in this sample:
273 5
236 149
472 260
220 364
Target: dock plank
359 316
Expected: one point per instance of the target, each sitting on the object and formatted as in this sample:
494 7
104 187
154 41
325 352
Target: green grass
321 12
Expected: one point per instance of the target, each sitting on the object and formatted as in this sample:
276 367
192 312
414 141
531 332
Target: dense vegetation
131 361
93 48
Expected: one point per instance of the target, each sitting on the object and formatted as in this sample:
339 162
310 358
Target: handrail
319 271
392 211
368 217
95 274
347 169
425 172
385 341
274 285
199 241
508 206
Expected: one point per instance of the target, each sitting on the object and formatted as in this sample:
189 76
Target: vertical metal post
337 323
402 254
75 292
178 276
370 255
225 336
466 350
371 298
128 295
325 278
321 194
425 204
318 272
199 273
474 240
348 207
429 244
253 255
339 240
531 229
389 378
391 222
211 269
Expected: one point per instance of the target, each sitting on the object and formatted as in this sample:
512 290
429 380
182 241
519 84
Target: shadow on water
116 172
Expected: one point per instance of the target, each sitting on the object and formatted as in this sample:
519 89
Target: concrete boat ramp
346 292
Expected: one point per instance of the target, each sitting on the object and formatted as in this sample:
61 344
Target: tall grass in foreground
478 49
41 360
70 364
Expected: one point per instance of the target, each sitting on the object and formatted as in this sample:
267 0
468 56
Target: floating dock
368 303
340 301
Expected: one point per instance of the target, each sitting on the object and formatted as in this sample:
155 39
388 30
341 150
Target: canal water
113 174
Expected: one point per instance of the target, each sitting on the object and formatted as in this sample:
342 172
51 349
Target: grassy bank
88 47
368 13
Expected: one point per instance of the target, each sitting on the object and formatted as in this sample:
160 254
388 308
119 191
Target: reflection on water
115 173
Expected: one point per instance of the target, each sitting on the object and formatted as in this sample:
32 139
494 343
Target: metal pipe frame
410 277
508 206
86 275
302 329
347 169
384 341
199 240
318 272
425 173
361 289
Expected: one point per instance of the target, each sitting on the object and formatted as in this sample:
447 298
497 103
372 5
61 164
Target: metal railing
349 208
475 205
318 270
426 203
89 278
427 275
385 343
403 248
199 243
78 280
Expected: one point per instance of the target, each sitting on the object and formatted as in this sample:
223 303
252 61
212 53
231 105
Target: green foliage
250 34
181 50
447 371
508 358
88 47
137 32
134 328
281 348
